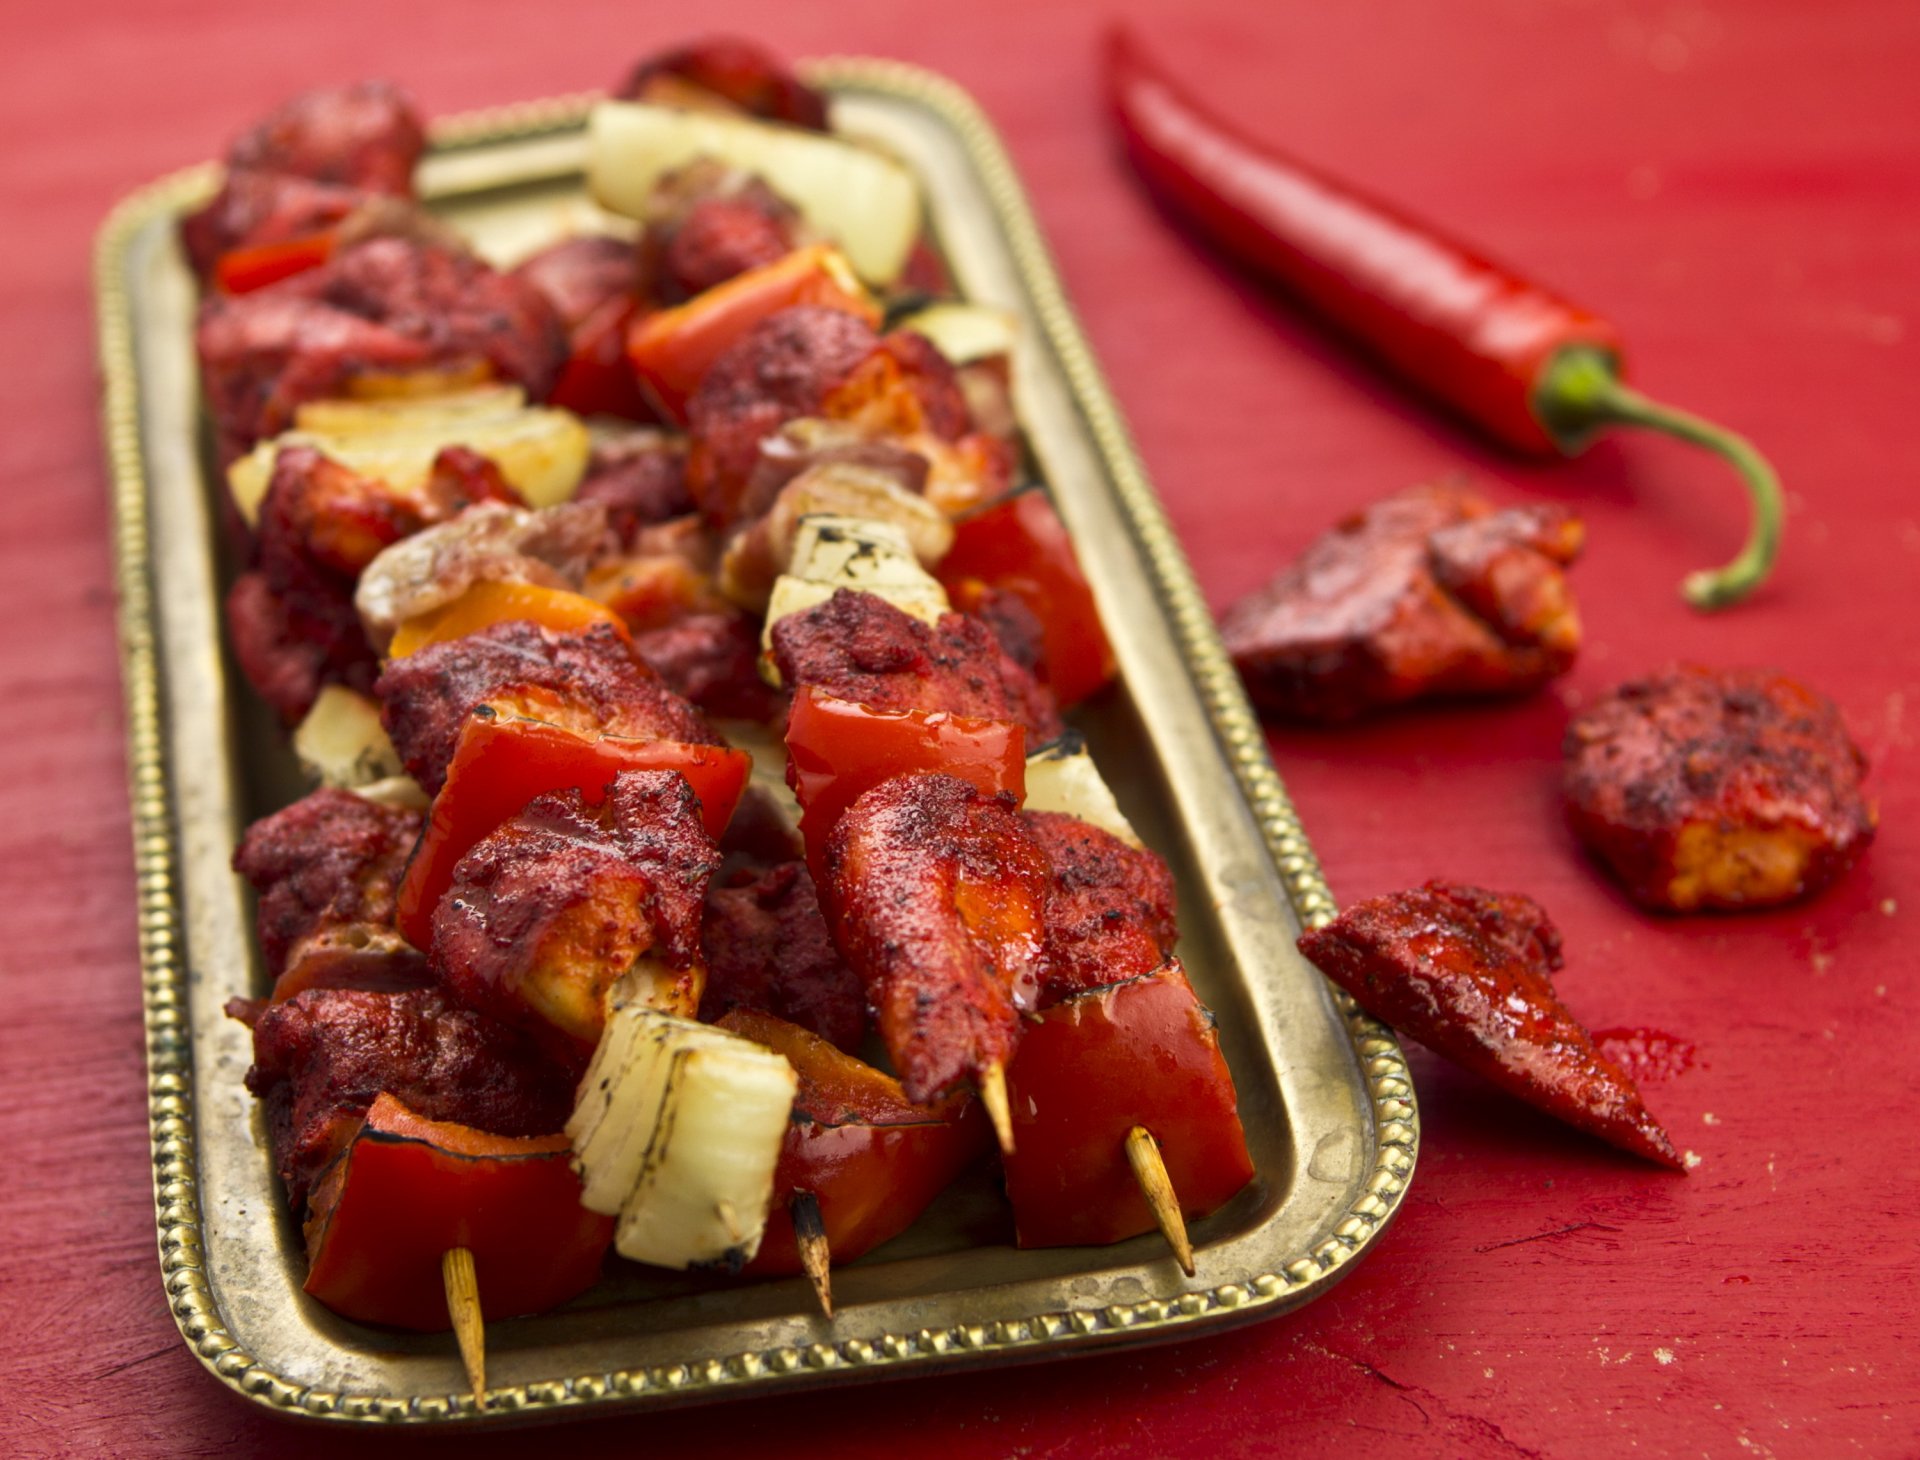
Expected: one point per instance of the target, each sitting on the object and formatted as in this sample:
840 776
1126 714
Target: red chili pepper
504 760
838 750
408 1189
1019 546
243 270
1466 972
1532 370
872 1159
1092 1067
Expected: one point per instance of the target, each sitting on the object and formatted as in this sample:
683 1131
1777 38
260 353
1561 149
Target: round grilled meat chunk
1717 788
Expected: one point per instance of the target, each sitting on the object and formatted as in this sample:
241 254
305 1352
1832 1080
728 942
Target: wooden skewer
730 1219
469 1324
810 1236
1143 1154
992 1080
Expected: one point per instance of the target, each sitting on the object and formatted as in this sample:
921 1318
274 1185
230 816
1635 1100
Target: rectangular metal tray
1323 1090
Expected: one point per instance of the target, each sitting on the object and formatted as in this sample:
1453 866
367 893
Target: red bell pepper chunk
871 1158
1091 1068
504 760
1019 546
243 270
672 351
597 379
407 1189
837 750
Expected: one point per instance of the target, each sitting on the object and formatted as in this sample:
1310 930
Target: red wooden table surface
1735 184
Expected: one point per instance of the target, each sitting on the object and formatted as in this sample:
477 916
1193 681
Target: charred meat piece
1717 788
426 697
292 642
768 948
859 647
383 307
939 898
581 276
495 542
320 1058
786 367
1431 593
707 223
723 71
1467 973
305 167
640 477
366 135
1110 909
546 913
329 862
712 660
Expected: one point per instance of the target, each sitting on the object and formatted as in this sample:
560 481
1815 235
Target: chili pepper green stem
1580 391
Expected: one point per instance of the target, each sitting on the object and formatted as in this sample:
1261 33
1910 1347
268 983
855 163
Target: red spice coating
939 901
739 72
330 859
1717 788
769 949
1465 972
1429 593
1110 913
859 647
320 1059
427 696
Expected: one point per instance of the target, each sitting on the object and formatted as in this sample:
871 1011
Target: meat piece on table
550 910
1467 973
725 72
769 949
382 308
859 647
938 897
320 1058
1430 594
325 868
1110 909
1717 788
590 677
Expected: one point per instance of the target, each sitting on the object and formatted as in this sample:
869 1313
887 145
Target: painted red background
1735 183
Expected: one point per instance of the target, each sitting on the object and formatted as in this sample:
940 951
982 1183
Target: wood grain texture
1735 184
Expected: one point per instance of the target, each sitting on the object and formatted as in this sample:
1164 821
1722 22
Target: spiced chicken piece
857 646
589 677
291 616
813 361
386 306
712 661
305 167
768 948
723 71
321 1057
582 276
546 913
707 223
1110 907
325 869
1717 788
640 477
1431 593
939 898
1467 972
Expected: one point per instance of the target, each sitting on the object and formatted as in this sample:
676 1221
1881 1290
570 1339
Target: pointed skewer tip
992 1080
1150 1171
462 1283
816 1256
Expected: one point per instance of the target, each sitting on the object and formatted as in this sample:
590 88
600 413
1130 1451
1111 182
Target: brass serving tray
1323 1089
